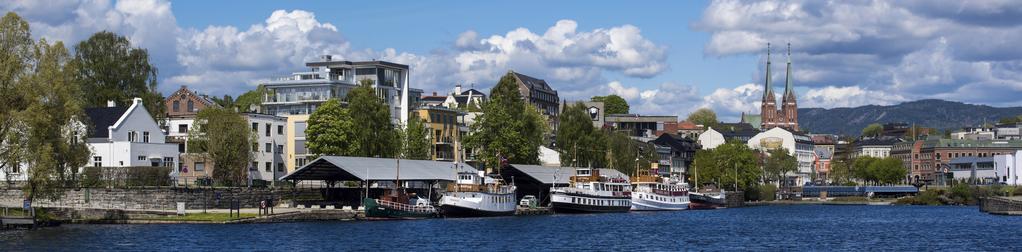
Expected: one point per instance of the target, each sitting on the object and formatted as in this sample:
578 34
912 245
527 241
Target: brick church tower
787 116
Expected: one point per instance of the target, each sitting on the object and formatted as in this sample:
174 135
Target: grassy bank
960 194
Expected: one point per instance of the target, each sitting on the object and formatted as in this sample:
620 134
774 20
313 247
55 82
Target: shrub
767 192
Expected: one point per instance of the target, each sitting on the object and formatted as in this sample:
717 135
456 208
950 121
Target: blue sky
664 57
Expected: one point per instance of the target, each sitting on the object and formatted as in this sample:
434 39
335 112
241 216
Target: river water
803 227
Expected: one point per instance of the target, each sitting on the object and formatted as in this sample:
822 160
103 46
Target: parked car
528 201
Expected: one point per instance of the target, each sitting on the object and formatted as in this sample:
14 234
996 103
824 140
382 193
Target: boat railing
406 207
490 188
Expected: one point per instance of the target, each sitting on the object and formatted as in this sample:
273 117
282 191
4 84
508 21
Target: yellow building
446 127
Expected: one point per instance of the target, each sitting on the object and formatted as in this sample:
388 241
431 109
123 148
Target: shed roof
546 174
341 168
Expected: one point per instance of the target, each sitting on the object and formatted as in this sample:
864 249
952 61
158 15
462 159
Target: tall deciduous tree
508 128
375 132
416 140
703 116
626 155
778 163
873 130
16 47
53 121
579 143
612 104
726 163
331 131
223 136
111 69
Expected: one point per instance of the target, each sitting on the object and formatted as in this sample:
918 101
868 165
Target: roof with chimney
534 83
102 119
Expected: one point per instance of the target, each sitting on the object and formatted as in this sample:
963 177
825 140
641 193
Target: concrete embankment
817 202
1001 205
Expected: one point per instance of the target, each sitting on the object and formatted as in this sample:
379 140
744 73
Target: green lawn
211 217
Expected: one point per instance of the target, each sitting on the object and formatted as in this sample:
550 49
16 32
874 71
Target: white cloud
729 103
850 96
962 51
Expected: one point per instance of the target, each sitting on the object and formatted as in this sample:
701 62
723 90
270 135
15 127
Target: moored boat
390 209
478 196
654 193
707 199
588 192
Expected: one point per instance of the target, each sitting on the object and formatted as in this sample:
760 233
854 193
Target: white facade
798 146
1008 167
268 161
710 139
134 140
873 151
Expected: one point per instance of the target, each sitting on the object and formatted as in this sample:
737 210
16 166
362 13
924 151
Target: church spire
767 89
788 89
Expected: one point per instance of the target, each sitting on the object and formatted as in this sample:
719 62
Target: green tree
375 132
223 136
840 171
778 163
887 170
16 49
612 104
508 128
726 163
703 116
245 101
626 155
53 129
579 143
873 130
110 69
416 139
331 131
1011 120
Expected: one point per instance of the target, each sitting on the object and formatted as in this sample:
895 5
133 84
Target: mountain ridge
931 113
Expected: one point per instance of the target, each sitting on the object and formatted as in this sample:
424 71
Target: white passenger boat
654 193
588 192
475 195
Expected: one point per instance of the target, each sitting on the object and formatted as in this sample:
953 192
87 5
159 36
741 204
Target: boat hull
562 207
642 204
705 202
375 210
452 211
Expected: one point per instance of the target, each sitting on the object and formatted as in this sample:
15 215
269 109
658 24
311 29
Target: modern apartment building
297 96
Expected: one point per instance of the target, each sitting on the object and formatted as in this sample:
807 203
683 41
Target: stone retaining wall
999 205
158 199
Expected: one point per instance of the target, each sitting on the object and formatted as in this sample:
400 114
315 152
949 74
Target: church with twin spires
787 116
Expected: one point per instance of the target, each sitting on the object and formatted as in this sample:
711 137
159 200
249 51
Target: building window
255 147
254 167
280 129
191 106
145 136
141 158
168 162
200 166
269 147
267 129
182 128
280 148
280 167
177 106
132 136
97 161
255 127
269 167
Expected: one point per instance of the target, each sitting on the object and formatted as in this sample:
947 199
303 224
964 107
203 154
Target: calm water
753 228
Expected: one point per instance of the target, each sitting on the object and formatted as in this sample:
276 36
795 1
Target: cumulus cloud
729 103
850 96
893 50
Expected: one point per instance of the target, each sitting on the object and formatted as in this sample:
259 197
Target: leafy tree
840 171
508 128
375 133
110 69
626 155
888 170
245 101
331 131
223 136
54 135
612 104
778 163
579 143
1011 120
720 165
703 116
873 130
16 53
416 140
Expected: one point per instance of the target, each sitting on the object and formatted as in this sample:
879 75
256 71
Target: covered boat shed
537 180
379 174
